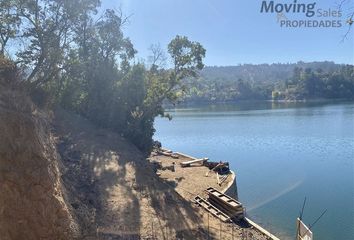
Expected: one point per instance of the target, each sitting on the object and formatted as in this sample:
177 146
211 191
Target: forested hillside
263 73
296 81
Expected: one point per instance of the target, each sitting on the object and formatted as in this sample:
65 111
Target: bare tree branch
350 16
158 57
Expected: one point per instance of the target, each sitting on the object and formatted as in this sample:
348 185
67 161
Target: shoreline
280 101
230 187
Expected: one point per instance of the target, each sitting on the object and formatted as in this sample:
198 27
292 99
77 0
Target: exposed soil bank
32 197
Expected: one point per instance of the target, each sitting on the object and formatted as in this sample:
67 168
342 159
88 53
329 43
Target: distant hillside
262 73
292 81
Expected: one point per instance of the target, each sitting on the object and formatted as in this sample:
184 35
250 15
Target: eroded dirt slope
32 204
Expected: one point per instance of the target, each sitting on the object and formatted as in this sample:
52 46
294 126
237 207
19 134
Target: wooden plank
223 178
185 155
223 197
188 163
212 209
225 203
232 213
166 154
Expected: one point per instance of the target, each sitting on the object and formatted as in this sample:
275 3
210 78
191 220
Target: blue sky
234 31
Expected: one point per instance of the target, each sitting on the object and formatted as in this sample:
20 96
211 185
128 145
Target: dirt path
112 187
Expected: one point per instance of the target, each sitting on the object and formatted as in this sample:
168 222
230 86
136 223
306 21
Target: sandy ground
188 181
116 194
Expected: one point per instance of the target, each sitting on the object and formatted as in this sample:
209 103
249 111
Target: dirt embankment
32 204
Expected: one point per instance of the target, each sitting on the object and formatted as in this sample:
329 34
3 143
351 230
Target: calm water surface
280 153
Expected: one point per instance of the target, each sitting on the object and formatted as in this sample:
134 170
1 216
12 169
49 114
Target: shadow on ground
113 190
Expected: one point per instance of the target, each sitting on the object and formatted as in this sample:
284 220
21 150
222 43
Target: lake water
281 153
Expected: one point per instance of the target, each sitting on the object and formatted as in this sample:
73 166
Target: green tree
9 24
84 63
167 84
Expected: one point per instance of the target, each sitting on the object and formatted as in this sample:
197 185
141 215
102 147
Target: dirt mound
32 202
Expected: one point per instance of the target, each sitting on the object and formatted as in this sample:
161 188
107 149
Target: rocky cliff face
32 202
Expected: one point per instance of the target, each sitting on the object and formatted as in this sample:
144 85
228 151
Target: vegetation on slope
298 81
71 56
